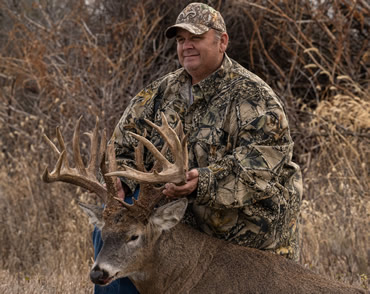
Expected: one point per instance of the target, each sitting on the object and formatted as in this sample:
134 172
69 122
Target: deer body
157 252
183 260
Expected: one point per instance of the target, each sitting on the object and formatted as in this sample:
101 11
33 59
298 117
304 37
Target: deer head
128 231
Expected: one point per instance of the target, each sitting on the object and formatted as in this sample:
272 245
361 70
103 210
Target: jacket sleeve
258 166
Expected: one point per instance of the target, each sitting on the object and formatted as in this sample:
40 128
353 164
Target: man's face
200 55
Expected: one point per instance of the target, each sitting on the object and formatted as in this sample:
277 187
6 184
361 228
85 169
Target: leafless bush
61 59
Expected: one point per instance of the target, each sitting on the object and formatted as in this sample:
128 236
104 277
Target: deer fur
173 258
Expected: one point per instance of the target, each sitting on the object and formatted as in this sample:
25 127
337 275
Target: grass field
61 59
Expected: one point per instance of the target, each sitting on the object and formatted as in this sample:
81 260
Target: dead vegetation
61 59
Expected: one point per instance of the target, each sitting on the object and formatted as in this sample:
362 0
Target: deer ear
169 215
95 214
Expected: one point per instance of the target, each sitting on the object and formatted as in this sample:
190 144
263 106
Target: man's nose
188 44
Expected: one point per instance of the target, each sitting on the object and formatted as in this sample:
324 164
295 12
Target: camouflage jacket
249 189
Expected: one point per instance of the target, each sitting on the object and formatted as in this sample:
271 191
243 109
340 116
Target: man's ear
95 214
224 41
169 215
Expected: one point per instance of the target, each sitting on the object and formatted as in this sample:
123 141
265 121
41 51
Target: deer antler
80 176
175 172
171 172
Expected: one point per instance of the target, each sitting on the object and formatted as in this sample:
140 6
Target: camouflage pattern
197 18
249 189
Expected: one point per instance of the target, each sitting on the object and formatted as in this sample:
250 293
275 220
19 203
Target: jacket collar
211 85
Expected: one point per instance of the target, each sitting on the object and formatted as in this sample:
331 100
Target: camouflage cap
197 18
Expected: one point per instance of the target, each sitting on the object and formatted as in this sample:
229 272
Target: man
242 185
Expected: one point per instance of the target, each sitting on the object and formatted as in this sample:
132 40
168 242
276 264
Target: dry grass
336 208
61 59
55 282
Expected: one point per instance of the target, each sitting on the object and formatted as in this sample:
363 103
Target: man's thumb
192 174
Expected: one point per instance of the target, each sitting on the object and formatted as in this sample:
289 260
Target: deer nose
99 276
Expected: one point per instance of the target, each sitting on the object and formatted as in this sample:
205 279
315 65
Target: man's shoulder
248 87
244 79
158 86
170 78
239 72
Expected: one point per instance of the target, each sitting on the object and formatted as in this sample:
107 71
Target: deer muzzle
99 276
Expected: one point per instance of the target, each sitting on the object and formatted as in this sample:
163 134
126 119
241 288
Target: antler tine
110 180
139 155
180 134
62 159
49 177
179 130
178 144
51 144
79 176
103 145
93 163
62 145
157 154
167 133
171 172
76 149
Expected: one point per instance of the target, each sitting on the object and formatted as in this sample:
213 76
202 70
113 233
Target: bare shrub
61 59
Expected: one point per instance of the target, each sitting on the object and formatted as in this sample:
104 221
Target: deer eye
133 237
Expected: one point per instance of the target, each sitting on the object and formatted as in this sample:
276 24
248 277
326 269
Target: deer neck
182 246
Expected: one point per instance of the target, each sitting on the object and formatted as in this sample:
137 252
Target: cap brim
197 29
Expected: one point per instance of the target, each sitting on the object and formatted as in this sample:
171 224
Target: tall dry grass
61 59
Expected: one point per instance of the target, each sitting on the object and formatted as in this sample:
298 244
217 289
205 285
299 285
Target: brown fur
187 261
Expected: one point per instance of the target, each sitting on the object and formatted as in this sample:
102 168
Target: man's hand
173 191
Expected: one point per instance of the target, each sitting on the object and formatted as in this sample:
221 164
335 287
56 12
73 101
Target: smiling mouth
187 56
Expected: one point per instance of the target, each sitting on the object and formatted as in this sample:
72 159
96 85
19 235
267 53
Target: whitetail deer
157 252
